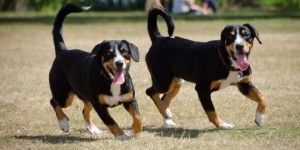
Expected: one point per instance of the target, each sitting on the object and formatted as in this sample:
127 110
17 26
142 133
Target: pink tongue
242 61
119 77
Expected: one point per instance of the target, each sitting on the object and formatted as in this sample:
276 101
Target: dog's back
174 54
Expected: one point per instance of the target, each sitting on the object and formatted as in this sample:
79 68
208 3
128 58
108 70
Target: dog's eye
246 35
109 53
122 51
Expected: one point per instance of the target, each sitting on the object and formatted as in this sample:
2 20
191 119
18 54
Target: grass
27 120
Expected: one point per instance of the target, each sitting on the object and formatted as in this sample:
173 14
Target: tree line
53 5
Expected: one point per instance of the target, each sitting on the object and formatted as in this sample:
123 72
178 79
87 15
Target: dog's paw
64 124
169 123
260 119
93 129
226 126
122 137
131 133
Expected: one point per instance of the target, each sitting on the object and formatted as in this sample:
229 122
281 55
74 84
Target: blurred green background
128 5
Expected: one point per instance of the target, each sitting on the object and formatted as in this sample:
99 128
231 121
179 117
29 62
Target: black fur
83 73
196 62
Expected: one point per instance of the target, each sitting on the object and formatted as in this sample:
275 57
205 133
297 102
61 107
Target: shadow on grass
56 139
133 17
179 133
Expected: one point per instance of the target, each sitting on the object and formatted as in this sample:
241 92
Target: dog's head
238 41
115 57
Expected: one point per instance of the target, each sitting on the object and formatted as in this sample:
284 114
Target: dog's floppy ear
134 51
97 49
223 34
254 32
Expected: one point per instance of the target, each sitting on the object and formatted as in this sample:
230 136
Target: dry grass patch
27 120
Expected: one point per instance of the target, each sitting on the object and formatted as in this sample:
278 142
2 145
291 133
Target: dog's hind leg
88 107
250 91
63 120
168 97
172 92
162 106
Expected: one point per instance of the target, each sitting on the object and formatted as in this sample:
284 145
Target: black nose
119 64
239 47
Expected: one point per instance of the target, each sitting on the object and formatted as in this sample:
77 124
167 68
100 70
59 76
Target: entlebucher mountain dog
211 65
100 79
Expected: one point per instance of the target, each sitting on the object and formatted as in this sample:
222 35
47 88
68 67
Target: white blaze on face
242 60
238 41
119 58
119 75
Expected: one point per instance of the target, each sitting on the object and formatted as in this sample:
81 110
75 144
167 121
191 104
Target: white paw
226 126
92 129
131 133
169 123
169 113
260 119
122 137
64 124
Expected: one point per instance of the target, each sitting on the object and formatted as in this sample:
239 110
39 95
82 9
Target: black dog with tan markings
100 78
211 65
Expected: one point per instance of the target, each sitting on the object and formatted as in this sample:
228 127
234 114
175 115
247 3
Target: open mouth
242 61
118 75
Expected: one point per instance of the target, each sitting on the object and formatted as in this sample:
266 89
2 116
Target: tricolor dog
211 65
100 79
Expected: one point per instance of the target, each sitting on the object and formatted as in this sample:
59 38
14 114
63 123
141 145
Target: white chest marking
116 97
233 77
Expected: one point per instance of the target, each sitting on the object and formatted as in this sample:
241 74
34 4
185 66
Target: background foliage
53 5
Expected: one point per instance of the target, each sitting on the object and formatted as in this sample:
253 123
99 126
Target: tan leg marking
213 118
256 96
58 109
70 99
215 85
173 91
88 107
101 99
137 120
160 104
59 113
115 129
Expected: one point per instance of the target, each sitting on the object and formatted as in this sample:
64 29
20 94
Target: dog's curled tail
152 22
58 23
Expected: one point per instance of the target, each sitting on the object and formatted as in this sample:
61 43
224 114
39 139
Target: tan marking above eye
244 32
232 33
122 49
110 51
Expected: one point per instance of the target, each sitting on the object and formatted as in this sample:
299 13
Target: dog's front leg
132 108
204 95
110 123
250 91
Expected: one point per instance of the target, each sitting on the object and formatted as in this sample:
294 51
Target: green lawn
27 120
